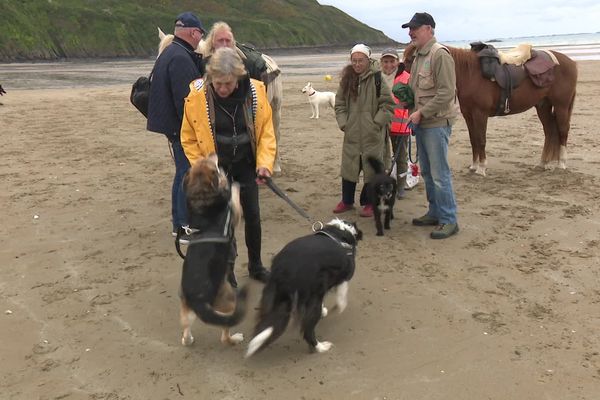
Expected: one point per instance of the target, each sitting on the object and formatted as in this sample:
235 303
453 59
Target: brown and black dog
214 210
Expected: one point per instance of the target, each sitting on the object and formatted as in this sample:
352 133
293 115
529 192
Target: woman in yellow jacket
229 114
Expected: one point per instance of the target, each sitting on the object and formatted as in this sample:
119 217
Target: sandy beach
506 309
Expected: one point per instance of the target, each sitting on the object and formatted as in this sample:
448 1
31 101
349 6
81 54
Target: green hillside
51 29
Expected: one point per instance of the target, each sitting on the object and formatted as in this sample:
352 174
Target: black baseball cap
420 19
189 20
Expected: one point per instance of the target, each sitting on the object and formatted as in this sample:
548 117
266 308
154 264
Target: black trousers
244 173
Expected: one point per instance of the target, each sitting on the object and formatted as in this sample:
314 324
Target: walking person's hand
262 173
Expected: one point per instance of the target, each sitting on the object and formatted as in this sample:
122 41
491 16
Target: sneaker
342 207
260 274
400 193
444 231
425 220
367 211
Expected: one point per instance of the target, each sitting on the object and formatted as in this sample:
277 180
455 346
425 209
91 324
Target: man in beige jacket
433 82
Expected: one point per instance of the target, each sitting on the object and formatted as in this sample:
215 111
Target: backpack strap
378 83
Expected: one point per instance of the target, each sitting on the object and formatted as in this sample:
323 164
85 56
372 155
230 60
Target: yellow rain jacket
198 136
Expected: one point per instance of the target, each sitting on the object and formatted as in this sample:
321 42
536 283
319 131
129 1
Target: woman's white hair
225 61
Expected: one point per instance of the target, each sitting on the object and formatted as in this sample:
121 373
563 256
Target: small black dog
382 194
301 274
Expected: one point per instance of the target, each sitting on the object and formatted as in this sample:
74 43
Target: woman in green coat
363 112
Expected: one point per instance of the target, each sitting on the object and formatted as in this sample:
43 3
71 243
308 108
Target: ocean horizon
578 46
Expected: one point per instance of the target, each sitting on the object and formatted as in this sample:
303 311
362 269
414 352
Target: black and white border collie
301 274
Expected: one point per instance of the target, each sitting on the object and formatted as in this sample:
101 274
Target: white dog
316 98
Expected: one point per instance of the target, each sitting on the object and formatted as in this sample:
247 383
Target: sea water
580 46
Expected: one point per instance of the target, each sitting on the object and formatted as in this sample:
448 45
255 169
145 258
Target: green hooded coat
364 121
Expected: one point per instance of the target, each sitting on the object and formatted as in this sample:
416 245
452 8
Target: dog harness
347 246
208 229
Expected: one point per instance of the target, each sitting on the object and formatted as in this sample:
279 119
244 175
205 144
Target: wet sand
506 309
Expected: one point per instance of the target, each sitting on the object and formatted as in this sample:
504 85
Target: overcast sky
478 19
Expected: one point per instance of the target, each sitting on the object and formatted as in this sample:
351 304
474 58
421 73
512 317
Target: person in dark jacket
173 71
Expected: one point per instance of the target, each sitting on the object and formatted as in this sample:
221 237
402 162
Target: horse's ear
202 47
161 34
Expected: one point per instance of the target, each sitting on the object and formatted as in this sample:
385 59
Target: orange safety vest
400 118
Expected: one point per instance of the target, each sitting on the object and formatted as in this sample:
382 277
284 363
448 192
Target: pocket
426 81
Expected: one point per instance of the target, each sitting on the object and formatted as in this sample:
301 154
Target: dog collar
312 94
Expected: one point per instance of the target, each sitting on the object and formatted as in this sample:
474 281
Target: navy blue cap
189 20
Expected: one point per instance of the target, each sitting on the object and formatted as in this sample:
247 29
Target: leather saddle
510 76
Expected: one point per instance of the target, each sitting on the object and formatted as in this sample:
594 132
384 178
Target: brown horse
478 98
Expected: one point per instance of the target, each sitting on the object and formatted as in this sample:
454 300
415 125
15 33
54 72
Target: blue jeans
432 144
178 202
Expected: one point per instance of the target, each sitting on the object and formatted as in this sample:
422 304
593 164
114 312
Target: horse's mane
464 60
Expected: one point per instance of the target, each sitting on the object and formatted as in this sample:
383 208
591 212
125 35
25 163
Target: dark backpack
140 94
254 63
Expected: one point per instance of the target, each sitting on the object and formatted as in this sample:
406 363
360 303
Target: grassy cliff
51 29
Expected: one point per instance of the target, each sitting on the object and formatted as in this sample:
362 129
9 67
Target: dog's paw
236 338
324 312
187 340
322 347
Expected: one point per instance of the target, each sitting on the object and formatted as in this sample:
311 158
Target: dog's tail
376 164
274 316
209 315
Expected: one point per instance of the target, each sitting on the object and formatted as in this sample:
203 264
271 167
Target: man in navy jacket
173 71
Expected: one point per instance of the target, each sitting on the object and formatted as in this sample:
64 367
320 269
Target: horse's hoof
562 165
472 168
480 171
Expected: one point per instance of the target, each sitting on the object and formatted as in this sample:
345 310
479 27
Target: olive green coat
364 121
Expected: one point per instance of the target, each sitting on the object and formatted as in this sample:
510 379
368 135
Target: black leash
269 182
416 160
